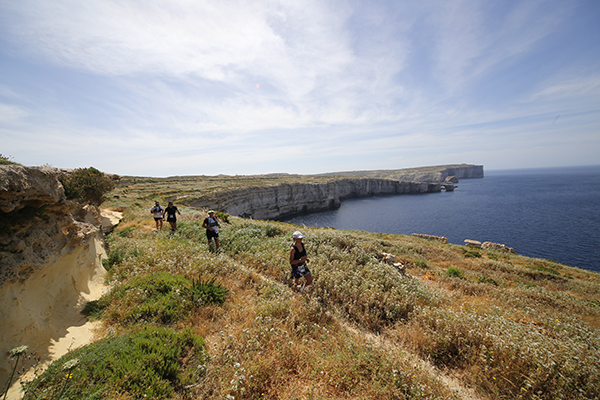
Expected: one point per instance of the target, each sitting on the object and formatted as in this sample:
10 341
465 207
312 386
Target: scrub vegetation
183 321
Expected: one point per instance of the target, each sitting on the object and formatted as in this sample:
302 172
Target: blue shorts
299 270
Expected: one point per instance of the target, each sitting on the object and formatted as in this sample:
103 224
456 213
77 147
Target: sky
208 87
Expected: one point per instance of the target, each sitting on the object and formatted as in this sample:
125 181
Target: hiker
157 210
212 228
171 210
298 261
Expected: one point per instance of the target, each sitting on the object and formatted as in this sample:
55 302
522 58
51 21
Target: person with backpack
158 211
298 261
211 224
171 210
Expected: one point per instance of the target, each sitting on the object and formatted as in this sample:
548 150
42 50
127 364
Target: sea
549 213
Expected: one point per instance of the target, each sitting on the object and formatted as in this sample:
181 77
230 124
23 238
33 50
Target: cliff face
286 200
50 260
290 199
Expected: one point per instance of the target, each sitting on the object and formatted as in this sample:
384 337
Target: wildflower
69 365
19 351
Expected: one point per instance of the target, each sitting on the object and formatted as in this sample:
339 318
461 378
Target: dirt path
452 383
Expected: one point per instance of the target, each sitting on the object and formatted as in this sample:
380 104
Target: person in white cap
298 261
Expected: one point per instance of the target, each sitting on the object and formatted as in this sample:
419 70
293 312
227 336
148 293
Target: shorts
212 234
157 218
299 270
171 218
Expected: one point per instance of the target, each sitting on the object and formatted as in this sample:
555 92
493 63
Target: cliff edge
289 199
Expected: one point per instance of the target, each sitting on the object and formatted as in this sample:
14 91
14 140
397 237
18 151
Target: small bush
151 363
87 184
5 160
453 272
221 216
471 253
160 298
207 292
486 279
127 231
115 256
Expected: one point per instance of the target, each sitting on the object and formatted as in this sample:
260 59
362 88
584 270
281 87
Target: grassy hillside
183 321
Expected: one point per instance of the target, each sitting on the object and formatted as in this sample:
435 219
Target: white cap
297 235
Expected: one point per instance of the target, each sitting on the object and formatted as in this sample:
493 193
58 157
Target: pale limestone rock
472 243
497 246
50 263
286 200
431 237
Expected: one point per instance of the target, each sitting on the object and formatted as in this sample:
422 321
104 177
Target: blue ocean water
551 213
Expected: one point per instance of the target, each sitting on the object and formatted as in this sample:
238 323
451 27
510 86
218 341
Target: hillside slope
389 316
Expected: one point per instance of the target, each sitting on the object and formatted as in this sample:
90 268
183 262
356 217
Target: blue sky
191 87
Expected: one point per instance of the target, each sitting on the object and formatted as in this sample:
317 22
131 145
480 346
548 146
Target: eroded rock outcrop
442 239
497 246
50 260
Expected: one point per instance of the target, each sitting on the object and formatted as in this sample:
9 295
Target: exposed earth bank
50 264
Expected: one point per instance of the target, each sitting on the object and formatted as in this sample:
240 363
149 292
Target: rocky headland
289 199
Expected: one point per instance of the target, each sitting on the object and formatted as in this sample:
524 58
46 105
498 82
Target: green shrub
207 292
221 216
87 184
486 279
453 272
159 297
471 253
115 256
150 363
5 160
127 231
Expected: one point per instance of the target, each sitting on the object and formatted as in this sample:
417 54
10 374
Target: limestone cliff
50 260
285 200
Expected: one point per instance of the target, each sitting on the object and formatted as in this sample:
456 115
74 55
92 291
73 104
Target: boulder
472 243
393 260
431 237
497 246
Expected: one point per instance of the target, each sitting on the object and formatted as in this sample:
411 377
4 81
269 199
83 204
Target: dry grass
507 326
510 326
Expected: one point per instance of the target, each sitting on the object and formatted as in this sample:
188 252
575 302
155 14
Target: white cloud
134 85
10 114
